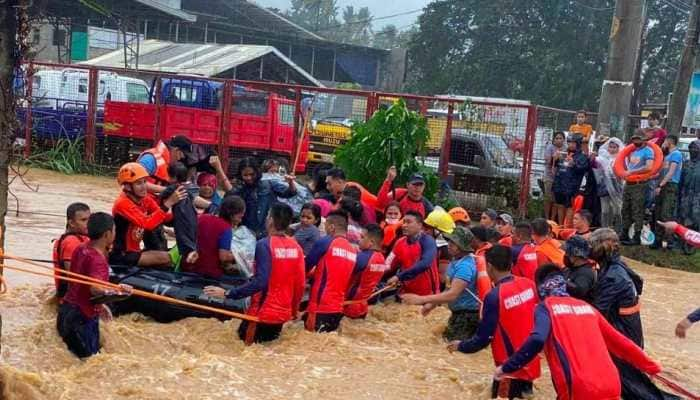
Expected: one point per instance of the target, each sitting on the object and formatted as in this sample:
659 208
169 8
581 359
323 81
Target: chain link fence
112 115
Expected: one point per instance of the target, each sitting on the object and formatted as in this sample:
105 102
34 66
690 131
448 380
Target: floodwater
394 354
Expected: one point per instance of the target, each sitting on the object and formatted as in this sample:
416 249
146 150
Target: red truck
261 123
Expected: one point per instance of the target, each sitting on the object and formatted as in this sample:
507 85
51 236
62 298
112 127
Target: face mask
392 221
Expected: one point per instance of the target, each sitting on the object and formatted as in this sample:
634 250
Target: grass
673 259
66 157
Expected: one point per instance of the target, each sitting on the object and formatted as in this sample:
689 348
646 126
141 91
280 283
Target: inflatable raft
178 285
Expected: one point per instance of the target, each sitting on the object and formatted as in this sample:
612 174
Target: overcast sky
378 8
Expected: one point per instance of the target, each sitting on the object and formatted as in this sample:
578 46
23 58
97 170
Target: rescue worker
77 215
410 199
415 257
689 236
278 283
580 276
548 249
157 159
464 284
330 264
578 343
616 296
667 190
369 270
504 226
481 241
506 322
460 216
488 218
136 212
523 252
438 224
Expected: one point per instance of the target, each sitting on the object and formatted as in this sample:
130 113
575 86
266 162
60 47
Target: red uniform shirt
525 264
506 240
581 338
417 261
517 299
332 277
369 269
422 206
63 249
131 219
279 301
88 261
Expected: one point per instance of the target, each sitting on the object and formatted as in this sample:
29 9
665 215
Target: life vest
332 278
279 302
481 251
162 156
59 261
517 299
483 282
132 219
209 229
363 284
577 353
551 250
506 241
526 263
428 281
390 233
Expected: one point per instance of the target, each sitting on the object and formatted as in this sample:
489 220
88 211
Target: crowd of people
581 176
509 284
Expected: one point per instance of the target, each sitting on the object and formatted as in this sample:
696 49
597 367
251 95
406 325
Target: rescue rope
86 280
675 387
377 293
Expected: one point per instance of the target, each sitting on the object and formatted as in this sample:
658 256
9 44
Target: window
136 93
36 83
101 88
286 114
82 85
36 36
253 104
59 37
183 94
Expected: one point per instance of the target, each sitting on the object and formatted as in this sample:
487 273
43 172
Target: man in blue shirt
461 293
667 190
639 162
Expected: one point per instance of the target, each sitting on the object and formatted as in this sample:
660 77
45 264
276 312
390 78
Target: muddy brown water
394 354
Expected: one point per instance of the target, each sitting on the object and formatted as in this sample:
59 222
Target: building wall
44 40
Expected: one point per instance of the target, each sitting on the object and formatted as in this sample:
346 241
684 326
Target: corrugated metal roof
197 59
169 10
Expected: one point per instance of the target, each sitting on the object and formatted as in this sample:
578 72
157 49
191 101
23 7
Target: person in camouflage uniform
640 161
666 191
689 207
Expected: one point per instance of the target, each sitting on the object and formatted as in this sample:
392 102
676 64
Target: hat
601 139
491 213
577 246
506 218
440 220
462 237
181 142
416 178
637 135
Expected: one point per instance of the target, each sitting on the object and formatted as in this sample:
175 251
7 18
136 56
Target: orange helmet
131 172
459 214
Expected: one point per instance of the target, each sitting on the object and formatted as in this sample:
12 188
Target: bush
393 136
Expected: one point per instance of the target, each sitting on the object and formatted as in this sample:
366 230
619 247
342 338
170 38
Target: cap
506 218
577 246
181 142
637 135
462 237
416 178
491 213
601 139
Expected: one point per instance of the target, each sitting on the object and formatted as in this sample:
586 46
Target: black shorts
511 389
261 332
324 322
81 334
130 258
563 199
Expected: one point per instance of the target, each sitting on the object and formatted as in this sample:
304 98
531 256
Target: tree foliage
548 51
393 135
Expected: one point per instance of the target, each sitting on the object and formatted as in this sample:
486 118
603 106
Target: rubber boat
178 285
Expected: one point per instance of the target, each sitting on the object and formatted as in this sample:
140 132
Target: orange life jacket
162 156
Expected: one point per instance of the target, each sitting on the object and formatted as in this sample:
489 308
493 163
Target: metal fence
115 114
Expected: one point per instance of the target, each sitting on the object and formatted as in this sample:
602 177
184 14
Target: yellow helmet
440 220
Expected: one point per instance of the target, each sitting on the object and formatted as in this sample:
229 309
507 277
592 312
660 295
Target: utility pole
625 39
685 73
